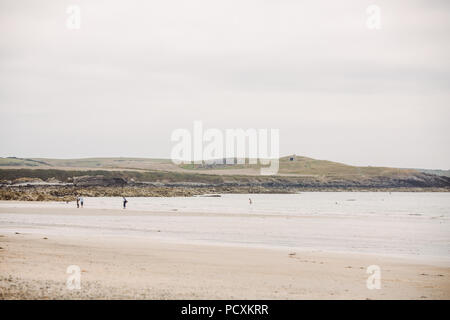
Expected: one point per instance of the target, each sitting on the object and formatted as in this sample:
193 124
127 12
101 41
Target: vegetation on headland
53 179
289 165
67 176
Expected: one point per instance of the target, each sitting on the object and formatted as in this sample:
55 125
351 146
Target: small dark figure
250 201
124 202
78 202
81 201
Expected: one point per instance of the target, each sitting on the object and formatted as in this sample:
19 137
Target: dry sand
33 266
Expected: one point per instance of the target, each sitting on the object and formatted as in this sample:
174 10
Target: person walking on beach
81 201
124 202
250 201
78 201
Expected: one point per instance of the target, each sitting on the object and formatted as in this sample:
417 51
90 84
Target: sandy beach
147 265
35 268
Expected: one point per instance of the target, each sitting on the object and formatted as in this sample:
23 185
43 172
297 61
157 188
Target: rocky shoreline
122 184
69 193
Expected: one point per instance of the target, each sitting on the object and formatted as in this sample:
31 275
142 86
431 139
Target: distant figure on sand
81 201
78 201
124 202
250 201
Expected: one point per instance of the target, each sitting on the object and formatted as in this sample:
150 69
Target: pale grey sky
137 70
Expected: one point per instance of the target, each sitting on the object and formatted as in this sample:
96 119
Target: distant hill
90 163
301 166
294 172
20 162
289 166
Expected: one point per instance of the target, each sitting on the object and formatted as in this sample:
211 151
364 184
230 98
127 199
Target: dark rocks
118 184
86 181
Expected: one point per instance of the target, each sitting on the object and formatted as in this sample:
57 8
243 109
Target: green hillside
298 165
290 165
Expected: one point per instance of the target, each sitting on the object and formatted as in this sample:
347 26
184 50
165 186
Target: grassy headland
55 179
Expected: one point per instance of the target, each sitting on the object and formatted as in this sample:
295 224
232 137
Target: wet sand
33 265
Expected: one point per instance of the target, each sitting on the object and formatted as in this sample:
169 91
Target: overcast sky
137 70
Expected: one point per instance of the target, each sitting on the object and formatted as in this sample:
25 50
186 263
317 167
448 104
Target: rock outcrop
87 181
